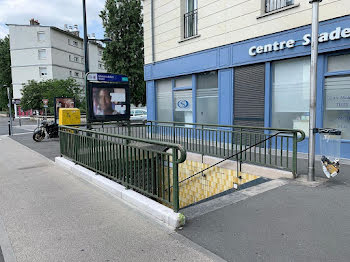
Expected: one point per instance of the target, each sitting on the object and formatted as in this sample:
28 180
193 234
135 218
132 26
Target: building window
69 43
43 71
76 59
70 73
191 19
41 36
291 94
42 54
75 43
76 74
337 95
99 65
272 5
207 98
100 52
82 60
164 97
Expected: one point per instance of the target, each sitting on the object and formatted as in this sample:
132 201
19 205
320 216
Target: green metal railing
147 166
222 140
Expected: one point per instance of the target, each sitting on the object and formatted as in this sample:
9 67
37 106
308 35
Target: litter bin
330 140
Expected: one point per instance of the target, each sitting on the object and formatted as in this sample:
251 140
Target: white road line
18 134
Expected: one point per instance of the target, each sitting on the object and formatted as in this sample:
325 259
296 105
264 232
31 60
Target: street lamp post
313 88
86 57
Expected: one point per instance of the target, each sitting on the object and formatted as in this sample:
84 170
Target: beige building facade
222 22
247 63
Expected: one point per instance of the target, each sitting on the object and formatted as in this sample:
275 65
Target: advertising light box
109 98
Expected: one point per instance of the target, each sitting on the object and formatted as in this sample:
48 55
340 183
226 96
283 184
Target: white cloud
52 12
3 31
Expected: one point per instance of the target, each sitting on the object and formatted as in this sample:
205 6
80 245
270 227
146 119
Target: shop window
207 98
339 63
164 100
183 81
291 94
337 104
183 106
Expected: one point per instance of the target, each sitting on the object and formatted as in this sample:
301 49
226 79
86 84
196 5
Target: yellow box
69 116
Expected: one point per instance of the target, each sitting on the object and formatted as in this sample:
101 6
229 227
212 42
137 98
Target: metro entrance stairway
151 158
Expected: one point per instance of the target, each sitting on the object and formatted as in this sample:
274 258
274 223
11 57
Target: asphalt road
24 135
293 222
26 126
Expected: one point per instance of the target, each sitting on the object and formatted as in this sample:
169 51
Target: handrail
227 158
183 152
301 132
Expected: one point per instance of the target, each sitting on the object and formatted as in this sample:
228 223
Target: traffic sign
46 102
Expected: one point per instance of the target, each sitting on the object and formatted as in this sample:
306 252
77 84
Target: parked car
137 114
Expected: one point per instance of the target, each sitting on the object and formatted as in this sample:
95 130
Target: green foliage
33 92
122 20
5 71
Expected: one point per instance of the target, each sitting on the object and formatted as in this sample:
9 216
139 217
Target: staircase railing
221 140
237 155
147 166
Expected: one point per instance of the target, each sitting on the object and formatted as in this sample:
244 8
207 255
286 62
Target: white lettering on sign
337 34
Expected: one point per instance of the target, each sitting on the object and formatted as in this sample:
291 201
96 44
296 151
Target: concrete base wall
145 205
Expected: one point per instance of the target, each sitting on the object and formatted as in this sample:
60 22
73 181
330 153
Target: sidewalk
295 221
47 215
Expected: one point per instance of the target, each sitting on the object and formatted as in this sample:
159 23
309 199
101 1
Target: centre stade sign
337 34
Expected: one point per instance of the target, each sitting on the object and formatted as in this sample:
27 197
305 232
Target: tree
5 71
33 92
122 20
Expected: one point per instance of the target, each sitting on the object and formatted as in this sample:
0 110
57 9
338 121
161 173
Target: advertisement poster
63 102
109 101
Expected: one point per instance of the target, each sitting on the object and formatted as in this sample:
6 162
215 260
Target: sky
51 13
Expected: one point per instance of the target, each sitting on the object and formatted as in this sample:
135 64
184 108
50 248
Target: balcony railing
272 5
191 24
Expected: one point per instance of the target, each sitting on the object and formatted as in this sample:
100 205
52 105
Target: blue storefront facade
279 64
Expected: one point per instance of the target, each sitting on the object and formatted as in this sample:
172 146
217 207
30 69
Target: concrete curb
145 205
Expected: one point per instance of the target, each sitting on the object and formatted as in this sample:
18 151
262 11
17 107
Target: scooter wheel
38 136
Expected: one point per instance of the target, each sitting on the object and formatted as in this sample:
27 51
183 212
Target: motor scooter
46 129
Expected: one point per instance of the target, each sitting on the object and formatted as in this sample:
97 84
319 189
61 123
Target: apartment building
247 62
46 52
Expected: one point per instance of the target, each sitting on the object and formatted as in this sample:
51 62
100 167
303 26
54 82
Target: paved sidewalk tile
52 216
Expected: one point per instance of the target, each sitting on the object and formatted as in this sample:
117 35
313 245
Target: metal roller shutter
249 95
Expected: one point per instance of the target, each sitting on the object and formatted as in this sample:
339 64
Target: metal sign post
313 88
10 111
46 105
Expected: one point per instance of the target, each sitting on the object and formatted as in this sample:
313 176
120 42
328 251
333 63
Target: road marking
18 134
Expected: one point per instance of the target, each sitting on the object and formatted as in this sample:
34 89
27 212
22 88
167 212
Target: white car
138 114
